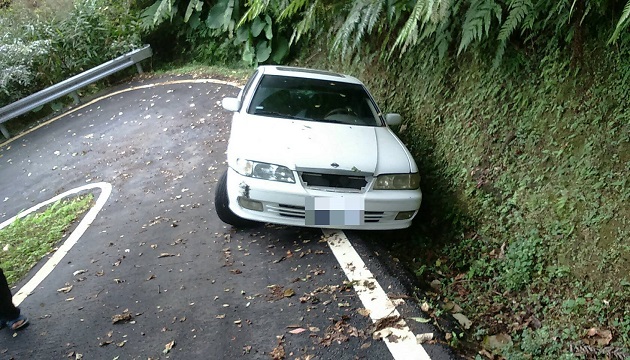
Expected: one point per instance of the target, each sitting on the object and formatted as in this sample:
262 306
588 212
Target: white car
311 148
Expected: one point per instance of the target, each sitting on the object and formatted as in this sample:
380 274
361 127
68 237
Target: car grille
334 181
291 211
299 212
372 216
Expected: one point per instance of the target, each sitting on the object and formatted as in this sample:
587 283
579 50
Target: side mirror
231 104
393 119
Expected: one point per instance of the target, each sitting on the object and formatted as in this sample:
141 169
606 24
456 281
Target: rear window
314 100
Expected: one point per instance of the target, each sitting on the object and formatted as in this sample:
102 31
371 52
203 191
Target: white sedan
311 148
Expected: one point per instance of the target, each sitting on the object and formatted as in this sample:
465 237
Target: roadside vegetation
517 114
27 240
45 42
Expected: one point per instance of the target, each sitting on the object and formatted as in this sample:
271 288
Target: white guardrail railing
69 86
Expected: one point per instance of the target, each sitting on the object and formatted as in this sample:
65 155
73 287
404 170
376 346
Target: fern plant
478 21
156 14
623 23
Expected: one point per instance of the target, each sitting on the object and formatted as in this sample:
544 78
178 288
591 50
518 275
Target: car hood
309 145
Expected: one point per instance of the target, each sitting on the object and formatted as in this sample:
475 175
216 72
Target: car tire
221 205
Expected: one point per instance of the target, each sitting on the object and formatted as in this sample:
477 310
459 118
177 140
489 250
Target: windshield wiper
331 121
279 114
270 113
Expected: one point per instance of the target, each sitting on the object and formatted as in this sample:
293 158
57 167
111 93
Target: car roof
293 71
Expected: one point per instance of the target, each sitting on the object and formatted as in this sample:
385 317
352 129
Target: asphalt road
183 284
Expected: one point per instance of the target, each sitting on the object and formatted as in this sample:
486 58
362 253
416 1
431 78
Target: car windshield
314 100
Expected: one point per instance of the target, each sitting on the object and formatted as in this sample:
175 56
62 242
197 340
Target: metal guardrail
69 86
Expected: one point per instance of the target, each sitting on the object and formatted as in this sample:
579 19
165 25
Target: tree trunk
577 46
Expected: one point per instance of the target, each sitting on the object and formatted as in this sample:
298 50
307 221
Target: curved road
157 275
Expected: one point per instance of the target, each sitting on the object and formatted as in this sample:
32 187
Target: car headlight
264 171
397 182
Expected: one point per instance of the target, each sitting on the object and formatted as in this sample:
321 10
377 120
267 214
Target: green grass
27 240
236 74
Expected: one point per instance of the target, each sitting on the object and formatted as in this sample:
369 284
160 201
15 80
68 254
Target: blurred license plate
347 210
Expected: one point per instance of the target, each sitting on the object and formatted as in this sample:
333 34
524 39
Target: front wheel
221 204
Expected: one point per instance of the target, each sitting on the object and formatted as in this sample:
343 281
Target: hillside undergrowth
525 175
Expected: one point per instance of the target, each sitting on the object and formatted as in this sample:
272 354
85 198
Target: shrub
41 49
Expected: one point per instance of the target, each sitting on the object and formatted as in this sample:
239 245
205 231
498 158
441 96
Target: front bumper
284 203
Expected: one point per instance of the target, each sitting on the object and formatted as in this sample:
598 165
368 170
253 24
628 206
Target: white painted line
55 259
374 298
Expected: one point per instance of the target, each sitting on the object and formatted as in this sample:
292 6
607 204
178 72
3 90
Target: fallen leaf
463 320
420 320
425 307
436 284
452 307
79 272
596 336
297 331
289 292
168 347
125 316
381 334
423 338
497 342
246 349
277 353
65 289
313 329
387 322
162 255
364 312
105 343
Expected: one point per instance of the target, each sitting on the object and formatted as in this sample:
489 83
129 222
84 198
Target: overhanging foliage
450 27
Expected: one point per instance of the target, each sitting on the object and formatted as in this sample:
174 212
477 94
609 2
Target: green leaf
257 27
56 106
216 19
268 27
421 320
280 49
242 34
263 51
623 23
248 53
193 6
195 21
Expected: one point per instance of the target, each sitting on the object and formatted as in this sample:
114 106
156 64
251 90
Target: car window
314 100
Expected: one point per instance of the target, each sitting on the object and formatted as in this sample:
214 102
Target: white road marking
402 342
55 259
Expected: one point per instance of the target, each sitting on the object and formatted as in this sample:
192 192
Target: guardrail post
139 68
5 132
